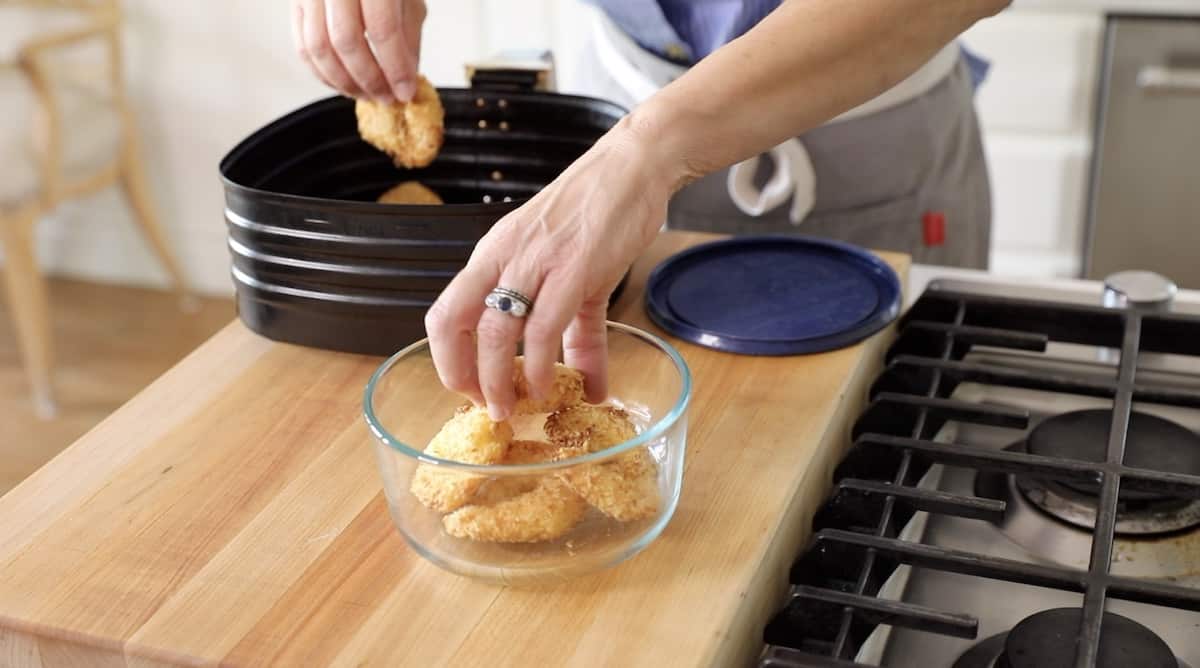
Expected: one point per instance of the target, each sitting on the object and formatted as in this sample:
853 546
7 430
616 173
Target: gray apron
910 178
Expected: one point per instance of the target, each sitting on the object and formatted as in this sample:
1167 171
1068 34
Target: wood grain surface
232 514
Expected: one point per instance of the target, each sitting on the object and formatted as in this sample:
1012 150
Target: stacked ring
509 301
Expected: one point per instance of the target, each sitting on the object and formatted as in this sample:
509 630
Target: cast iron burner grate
1150 442
833 604
1037 642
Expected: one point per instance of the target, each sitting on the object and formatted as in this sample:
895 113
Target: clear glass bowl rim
656 430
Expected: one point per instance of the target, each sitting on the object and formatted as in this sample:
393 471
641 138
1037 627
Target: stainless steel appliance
1144 206
1023 490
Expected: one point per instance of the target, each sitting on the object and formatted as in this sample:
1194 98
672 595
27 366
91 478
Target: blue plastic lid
773 295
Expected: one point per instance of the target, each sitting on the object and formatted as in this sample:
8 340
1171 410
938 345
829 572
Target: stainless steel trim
1139 289
1144 205
1163 80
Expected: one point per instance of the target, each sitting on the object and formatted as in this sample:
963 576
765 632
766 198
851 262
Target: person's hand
566 249
361 48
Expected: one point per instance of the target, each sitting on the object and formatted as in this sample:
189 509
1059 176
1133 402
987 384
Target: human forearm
807 62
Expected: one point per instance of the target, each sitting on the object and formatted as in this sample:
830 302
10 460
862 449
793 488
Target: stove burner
1152 443
983 654
1047 640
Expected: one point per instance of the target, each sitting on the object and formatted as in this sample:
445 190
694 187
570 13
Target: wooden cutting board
232 514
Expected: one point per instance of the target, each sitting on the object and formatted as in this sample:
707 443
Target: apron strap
641 74
637 71
794 177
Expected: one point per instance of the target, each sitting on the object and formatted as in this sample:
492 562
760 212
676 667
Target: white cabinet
1036 109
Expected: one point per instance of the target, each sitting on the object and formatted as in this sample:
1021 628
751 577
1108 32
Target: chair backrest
24 23
71 53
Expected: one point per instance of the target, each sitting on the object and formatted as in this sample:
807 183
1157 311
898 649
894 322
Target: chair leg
30 308
133 181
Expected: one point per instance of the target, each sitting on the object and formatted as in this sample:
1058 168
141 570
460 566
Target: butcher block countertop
232 514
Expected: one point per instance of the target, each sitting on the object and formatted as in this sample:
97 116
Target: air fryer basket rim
248 143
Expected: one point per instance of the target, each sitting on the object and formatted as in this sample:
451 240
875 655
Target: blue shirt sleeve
684 31
978 66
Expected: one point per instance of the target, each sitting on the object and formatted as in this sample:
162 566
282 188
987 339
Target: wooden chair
70 133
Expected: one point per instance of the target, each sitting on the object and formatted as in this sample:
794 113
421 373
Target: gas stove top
1023 490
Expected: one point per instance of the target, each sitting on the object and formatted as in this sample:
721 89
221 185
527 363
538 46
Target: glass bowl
406 405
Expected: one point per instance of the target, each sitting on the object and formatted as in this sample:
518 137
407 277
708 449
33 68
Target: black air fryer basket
317 262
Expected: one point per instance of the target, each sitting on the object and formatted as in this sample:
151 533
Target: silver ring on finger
510 302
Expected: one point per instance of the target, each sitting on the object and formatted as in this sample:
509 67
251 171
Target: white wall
203 75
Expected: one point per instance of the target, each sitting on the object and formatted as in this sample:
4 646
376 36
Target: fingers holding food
543 506
316 48
567 390
451 323
410 132
347 37
394 30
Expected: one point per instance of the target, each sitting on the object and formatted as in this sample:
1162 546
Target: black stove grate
833 607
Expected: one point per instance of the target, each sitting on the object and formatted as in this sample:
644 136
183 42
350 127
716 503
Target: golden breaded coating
409 192
505 487
530 452
598 427
521 509
495 490
624 487
547 512
410 132
469 437
567 390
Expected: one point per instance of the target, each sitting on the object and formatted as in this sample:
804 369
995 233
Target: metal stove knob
1142 290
